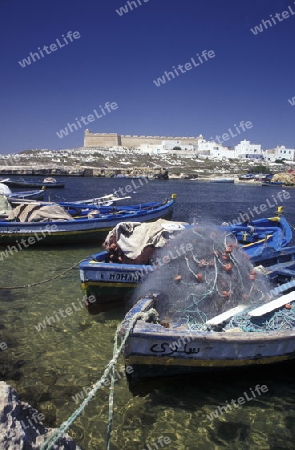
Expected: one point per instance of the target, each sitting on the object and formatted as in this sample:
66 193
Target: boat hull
110 283
222 180
152 350
32 184
272 183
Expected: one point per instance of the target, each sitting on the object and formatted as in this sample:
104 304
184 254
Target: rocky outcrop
21 425
287 178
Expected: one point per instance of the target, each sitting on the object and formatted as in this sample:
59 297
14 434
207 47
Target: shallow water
49 367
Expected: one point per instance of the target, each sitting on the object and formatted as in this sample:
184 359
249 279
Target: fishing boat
26 195
272 183
263 236
112 282
154 350
105 200
246 177
47 182
78 205
222 180
53 225
211 310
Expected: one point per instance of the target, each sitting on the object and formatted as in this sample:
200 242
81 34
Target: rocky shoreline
157 173
21 426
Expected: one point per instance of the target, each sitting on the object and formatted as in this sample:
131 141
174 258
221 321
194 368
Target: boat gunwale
243 337
143 329
108 218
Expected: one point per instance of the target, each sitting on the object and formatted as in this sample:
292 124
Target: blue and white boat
112 282
76 224
222 180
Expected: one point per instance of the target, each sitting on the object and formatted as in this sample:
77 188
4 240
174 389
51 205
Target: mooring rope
49 443
111 395
43 281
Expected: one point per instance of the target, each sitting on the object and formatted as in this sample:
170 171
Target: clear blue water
49 367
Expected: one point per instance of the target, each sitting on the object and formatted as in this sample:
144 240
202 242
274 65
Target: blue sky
117 58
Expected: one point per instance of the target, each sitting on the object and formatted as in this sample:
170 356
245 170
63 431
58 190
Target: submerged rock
21 425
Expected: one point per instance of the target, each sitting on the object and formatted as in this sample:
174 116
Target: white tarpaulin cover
133 237
4 189
5 206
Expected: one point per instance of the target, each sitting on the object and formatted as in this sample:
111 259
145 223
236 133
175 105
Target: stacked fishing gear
203 273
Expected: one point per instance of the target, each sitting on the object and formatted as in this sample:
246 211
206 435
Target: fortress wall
113 139
135 141
101 139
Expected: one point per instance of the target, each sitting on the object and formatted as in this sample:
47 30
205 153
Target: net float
178 278
225 294
199 277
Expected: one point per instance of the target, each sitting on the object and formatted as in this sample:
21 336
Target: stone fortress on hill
188 146
108 140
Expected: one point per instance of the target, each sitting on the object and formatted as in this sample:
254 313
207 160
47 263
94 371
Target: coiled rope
50 442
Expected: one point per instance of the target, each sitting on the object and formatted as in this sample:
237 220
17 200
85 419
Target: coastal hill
107 162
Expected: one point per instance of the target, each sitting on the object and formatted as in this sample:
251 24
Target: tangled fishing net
202 273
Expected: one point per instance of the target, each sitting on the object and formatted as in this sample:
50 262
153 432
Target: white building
152 149
280 152
171 147
246 150
214 150
286 153
171 144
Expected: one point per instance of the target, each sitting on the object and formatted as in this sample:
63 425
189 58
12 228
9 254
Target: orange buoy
178 278
228 267
199 277
288 306
225 294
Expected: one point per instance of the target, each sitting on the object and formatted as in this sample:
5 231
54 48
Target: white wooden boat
153 350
